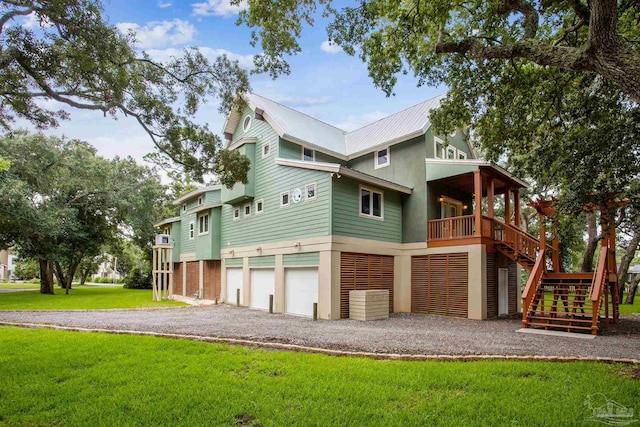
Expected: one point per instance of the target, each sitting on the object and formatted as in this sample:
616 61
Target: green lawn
69 378
24 285
624 308
82 298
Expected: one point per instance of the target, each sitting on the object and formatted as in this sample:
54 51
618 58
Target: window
439 147
284 199
167 230
184 207
191 230
236 214
451 152
246 124
247 209
371 203
259 206
199 200
382 158
462 155
308 154
203 224
266 149
310 192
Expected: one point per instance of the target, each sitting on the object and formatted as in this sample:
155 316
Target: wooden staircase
516 244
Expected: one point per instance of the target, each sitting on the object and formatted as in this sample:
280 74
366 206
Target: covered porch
461 218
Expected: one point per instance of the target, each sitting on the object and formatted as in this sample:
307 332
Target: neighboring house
391 205
108 268
633 272
7 265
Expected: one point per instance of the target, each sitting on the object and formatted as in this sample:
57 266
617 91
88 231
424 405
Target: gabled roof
167 221
298 127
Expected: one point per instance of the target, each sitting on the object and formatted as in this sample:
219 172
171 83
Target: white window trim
435 148
312 150
200 200
265 145
371 191
184 207
248 126
451 201
453 149
233 213
192 230
167 231
203 233
375 158
315 192
244 209
460 152
259 211
288 193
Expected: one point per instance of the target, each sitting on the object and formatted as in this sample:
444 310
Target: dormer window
439 149
308 155
382 158
246 124
451 152
199 200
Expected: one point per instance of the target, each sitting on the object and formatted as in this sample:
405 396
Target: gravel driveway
402 333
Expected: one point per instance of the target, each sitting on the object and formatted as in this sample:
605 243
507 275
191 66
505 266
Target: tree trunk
83 276
633 287
592 243
625 262
46 277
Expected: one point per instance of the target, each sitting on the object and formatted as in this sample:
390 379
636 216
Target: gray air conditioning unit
163 239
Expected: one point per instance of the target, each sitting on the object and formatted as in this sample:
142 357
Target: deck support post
555 257
516 208
543 234
507 206
477 186
490 197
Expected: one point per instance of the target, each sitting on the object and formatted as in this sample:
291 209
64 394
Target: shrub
138 279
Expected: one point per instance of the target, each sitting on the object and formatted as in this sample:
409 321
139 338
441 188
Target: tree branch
12 14
530 15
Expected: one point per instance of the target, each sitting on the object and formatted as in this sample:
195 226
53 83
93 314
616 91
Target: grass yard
23 285
81 297
68 378
624 308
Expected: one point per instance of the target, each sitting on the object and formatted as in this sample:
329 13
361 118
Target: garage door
263 284
234 282
439 284
301 290
362 272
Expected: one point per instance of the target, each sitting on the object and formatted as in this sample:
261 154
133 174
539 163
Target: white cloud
163 55
218 8
164 5
32 21
158 34
356 121
330 47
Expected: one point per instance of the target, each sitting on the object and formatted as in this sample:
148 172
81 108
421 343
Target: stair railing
598 286
533 283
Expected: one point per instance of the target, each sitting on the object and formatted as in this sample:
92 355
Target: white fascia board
204 208
167 221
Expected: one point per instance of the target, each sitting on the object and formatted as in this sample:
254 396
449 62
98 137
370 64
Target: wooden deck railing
532 285
598 286
458 227
520 241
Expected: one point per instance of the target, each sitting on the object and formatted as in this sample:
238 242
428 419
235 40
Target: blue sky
324 82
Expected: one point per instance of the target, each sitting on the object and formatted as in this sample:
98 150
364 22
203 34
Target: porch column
490 200
543 233
516 208
477 186
555 259
507 206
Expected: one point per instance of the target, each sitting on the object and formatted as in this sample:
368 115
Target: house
108 268
391 205
7 265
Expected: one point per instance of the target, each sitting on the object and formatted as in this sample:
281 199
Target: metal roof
301 128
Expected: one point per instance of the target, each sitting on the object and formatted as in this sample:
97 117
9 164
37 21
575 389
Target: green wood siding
346 219
177 240
187 245
212 196
308 258
291 150
298 220
208 245
233 262
406 168
241 191
262 261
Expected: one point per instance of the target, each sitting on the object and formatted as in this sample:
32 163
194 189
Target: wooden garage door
211 280
177 278
439 284
193 278
359 272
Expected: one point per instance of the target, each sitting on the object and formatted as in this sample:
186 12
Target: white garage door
263 284
301 290
234 282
